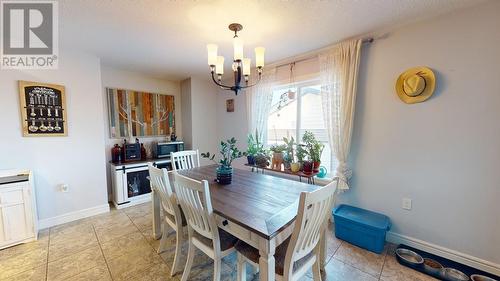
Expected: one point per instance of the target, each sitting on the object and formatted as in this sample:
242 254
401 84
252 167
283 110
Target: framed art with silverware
43 109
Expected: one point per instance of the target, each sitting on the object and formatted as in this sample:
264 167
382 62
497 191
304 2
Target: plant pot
277 161
251 160
307 167
287 165
224 175
295 167
316 165
261 161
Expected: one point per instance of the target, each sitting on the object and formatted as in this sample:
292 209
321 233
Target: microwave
163 149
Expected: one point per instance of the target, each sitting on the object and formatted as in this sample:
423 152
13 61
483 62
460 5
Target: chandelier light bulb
259 56
219 69
238 48
246 66
212 54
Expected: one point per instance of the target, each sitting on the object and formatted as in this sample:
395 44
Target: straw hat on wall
416 84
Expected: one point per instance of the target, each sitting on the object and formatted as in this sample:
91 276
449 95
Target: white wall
122 79
201 101
444 153
78 159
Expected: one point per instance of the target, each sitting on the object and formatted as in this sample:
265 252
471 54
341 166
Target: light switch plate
406 204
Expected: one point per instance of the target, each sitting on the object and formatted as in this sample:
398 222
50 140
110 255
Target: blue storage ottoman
360 227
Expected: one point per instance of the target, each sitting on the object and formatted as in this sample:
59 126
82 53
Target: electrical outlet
406 204
63 187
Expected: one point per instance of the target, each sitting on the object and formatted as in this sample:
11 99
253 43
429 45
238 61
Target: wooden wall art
43 109
140 114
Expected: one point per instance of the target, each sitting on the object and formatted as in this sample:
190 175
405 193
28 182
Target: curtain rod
312 54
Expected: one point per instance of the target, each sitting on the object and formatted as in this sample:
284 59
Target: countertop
166 159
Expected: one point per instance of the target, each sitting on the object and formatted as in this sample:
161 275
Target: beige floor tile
157 272
338 271
71 245
127 243
362 259
143 222
393 271
114 217
114 231
68 233
40 244
130 264
99 272
138 210
34 274
332 242
75 264
203 269
21 261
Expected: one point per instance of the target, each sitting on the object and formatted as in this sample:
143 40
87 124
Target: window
296 109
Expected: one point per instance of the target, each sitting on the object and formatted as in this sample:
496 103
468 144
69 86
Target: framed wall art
230 105
43 109
140 114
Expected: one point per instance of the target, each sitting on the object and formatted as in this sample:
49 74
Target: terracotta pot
277 161
308 167
316 165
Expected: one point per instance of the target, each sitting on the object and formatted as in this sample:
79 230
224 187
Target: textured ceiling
167 39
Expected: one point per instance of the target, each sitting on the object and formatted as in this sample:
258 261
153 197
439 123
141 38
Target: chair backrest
186 159
314 209
161 185
194 197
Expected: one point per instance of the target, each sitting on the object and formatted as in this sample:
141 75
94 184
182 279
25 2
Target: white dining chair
160 184
301 251
186 159
204 234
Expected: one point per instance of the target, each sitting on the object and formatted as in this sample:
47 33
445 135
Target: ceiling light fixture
241 65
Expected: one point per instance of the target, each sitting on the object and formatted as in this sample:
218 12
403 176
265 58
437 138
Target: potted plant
301 155
228 152
314 148
277 156
262 159
288 156
254 147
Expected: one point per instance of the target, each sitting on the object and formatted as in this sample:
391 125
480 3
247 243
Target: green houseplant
314 149
228 152
255 147
289 157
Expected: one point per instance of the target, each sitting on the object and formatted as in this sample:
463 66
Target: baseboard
73 216
459 257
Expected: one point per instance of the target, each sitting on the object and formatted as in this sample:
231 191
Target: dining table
256 208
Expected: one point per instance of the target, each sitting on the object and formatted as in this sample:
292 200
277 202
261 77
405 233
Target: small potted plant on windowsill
277 156
301 156
254 147
228 152
314 148
289 157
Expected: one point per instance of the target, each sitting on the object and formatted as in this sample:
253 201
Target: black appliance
163 149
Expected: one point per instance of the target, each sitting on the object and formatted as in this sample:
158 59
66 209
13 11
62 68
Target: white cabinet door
16 215
2 228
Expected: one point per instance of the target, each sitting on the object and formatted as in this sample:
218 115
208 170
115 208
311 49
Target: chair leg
189 262
316 269
242 268
217 268
178 251
163 241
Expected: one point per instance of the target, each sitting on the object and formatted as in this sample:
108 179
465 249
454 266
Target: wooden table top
261 203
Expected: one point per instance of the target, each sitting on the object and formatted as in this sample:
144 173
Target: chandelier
241 66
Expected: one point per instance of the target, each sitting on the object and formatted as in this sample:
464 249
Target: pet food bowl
433 267
454 275
409 257
477 277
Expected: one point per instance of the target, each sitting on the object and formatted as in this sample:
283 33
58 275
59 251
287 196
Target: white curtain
339 72
259 98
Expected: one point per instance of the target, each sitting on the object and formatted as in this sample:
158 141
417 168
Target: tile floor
119 246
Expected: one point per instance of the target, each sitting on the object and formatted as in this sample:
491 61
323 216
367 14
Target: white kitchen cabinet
18 217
